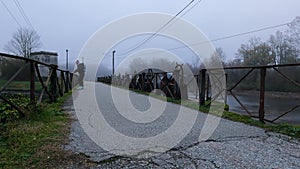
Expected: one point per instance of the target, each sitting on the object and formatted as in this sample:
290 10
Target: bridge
115 134
179 86
231 145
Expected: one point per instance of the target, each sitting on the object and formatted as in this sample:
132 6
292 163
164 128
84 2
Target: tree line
283 47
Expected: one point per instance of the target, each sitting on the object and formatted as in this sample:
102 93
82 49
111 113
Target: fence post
60 87
156 80
70 80
143 81
53 82
32 83
262 95
202 87
208 88
67 82
226 81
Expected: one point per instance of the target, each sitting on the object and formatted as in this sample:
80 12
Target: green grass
221 111
287 129
32 141
21 85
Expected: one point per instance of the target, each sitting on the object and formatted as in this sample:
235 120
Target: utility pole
67 59
113 63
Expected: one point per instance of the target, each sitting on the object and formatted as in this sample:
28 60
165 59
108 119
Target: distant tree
220 52
137 64
284 50
294 31
219 55
195 65
23 42
256 53
234 62
140 63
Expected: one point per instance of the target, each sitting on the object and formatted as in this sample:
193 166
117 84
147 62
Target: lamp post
113 63
67 59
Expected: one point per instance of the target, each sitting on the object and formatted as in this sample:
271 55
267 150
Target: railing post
143 81
60 87
262 95
67 82
207 88
53 82
226 81
71 80
32 83
156 81
202 87
64 86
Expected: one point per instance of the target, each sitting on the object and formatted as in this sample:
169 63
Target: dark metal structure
149 80
204 79
176 88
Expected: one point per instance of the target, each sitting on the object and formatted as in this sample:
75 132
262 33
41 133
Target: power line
240 34
26 19
11 14
160 29
23 14
197 3
232 36
225 37
250 32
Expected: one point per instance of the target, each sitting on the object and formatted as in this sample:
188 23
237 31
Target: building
45 57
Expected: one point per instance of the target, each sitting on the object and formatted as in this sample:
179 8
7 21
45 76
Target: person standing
80 70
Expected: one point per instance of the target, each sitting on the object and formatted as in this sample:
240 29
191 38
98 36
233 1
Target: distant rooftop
44 53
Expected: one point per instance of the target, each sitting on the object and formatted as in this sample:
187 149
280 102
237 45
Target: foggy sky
68 24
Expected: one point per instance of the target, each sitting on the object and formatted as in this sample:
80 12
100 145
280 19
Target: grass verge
21 85
36 141
287 129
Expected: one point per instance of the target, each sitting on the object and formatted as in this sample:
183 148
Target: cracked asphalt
232 145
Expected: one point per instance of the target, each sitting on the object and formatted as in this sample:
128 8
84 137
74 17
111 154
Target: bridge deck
232 144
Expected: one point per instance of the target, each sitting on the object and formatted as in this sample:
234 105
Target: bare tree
219 55
23 42
256 53
284 50
294 31
140 63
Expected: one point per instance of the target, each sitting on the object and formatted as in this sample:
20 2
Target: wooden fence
57 83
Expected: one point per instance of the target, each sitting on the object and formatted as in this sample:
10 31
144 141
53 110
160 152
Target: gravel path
232 145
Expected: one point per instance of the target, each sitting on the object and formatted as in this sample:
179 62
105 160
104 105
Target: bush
7 112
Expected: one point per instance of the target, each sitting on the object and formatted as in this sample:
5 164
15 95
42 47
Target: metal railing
141 82
204 87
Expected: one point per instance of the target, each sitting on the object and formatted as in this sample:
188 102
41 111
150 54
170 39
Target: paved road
232 145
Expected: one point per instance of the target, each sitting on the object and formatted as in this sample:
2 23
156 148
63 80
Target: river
275 105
